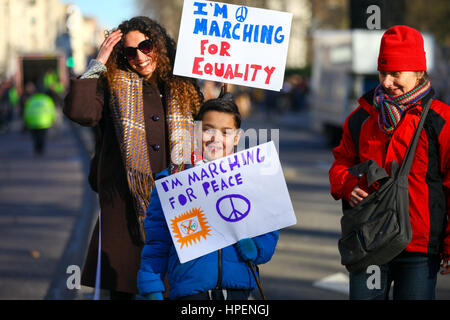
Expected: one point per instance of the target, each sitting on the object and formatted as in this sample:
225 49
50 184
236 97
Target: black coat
121 246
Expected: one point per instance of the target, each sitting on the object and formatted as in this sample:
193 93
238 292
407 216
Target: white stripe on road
336 282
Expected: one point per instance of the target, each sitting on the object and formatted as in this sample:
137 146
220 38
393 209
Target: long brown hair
184 91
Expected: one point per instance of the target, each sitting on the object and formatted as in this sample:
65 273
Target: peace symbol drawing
241 14
233 207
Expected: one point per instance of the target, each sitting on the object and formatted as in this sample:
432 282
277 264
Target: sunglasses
145 47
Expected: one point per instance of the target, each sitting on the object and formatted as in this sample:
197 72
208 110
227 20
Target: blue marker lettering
224 185
233 164
201 25
223 11
221 167
200 7
235 36
226 30
212 169
176 183
172 201
214 186
247 35
182 199
279 39
238 179
192 178
250 156
214 29
256 33
190 194
205 186
204 174
266 34
259 159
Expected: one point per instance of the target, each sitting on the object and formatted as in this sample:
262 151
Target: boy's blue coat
199 275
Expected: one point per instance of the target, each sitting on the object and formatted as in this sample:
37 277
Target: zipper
219 276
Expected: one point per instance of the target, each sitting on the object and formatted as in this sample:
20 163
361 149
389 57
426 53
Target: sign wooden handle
257 280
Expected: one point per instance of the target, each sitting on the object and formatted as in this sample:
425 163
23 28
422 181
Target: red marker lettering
224 46
196 67
256 67
229 72
269 73
212 49
209 69
237 74
219 71
203 46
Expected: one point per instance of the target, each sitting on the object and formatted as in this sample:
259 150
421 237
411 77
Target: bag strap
407 161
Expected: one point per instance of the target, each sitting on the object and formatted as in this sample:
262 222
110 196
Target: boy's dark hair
225 105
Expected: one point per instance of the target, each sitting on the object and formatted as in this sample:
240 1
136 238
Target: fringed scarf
127 107
392 109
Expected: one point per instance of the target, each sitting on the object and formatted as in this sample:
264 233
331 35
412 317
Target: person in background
39 115
380 129
220 275
144 117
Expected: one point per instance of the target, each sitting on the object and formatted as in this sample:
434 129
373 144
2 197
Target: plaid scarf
127 105
392 109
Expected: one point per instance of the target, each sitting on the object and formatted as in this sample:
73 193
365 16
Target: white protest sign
214 205
233 44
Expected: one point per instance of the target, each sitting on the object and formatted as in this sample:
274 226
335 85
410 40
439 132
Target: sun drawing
190 227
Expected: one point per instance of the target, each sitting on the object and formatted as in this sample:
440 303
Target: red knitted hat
402 49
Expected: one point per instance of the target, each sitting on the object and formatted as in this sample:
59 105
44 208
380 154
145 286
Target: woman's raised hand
108 45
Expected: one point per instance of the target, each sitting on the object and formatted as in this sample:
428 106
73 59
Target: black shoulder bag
379 228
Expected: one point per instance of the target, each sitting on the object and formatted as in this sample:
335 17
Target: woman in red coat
381 129
144 117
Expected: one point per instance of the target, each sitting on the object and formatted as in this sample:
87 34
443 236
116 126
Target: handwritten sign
233 44
214 205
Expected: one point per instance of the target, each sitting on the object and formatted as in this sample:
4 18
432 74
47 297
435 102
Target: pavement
46 211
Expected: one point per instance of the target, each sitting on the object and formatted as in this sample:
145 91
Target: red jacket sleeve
444 153
343 182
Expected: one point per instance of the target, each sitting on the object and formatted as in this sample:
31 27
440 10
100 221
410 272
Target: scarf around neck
391 109
127 106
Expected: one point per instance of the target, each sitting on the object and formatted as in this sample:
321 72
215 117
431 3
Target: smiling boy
220 275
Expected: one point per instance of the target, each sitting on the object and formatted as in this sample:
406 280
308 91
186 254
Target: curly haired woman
143 116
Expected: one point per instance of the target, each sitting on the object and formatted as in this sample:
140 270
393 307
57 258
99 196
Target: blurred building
28 26
301 21
86 36
44 28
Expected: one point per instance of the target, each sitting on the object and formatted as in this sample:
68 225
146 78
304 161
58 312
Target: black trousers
39 138
219 294
117 295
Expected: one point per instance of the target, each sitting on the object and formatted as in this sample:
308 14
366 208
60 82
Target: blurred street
47 211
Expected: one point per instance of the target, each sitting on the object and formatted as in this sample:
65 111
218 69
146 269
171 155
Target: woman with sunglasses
143 116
